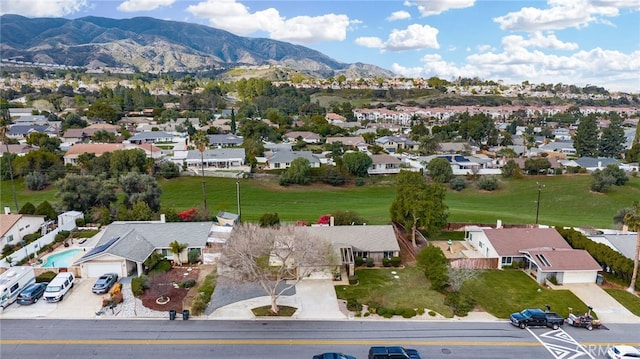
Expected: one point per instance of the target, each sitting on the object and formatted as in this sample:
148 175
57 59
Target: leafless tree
457 276
275 258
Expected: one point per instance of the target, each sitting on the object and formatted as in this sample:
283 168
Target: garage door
95 270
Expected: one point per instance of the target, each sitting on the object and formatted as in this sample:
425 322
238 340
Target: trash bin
599 279
172 314
185 314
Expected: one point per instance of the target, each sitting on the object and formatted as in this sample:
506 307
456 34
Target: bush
487 183
27 208
80 222
353 279
153 260
36 181
169 170
204 295
359 181
408 313
46 277
61 236
188 283
432 313
359 261
269 220
332 175
460 303
353 305
396 261
458 184
8 249
139 284
162 267
370 262
193 256
386 262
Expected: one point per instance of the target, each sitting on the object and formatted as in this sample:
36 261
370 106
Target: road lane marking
567 348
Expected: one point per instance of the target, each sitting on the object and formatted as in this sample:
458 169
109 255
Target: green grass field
565 200
630 301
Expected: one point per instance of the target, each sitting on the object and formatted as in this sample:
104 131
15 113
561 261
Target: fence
474 263
33 247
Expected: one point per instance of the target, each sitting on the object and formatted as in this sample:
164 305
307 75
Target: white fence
34 246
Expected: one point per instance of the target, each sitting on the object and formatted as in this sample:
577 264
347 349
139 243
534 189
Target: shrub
162 267
373 307
386 262
269 220
396 261
117 298
117 288
188 283
139 284
61 236
432 313
353 305
204 295
420 311
458 184
80 222
193 256
359 181
332 175
36 181
153 260
27 208
353 279
487 183
359 261
46 277
169 170
408 313
8 249
382 311
460 303
370 262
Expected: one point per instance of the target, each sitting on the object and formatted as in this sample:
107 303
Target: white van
58 287
13 281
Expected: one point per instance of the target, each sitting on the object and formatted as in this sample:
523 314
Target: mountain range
152 45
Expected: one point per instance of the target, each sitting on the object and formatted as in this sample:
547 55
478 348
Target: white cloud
435 7
42 8
143 5
562 14
482 48
414 37
537 39
237 18
613 70
399 15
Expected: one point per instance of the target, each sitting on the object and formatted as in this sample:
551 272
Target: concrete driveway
605 306
78 303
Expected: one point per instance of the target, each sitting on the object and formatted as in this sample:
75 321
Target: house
354 141
18 149
454 147
283 159
591 163
13 227
123 247
151 137
98 149
217 158
76 135
22 131
542 251
376 242
306 136
393 143
225 140
384 164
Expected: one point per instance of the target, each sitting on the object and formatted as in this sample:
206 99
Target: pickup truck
393 353
536 318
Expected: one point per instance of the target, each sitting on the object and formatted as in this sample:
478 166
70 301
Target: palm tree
631 218
177 248
201 141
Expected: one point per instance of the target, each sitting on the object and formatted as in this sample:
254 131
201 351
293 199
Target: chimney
499 224
7 210
625 228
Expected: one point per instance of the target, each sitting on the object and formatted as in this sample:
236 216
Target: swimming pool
62 259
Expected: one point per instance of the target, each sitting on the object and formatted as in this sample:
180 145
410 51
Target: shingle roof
510 241
7 221
225 139
377 238
381 159
591 162
150 135
220 154
289 156
562 259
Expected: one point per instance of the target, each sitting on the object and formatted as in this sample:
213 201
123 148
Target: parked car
623 352
59 287
104 283
333 356
536 318
393 352
32 293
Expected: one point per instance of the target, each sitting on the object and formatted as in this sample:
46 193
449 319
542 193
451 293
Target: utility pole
540 187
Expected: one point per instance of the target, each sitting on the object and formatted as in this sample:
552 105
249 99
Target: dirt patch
166 285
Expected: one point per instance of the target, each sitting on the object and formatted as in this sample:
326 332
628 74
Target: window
15 287
10 238
506 260
362 254
480 244
276 165
164 252
387 254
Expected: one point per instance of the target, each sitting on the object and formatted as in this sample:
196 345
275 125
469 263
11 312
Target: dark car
333 356
104 283
31 293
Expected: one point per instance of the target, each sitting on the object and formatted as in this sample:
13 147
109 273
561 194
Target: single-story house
13 227
98 149
151 137
354 141
225 140
17 149
394 143
22 131
592 163
123 247
384 164
218 158
306 136
542 251
376 242
283 159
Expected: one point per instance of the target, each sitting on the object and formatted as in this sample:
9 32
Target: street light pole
238 195
540 187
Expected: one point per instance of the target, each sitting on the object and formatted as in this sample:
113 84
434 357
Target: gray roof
362 238
229 139
591 162
27 129
289 156
277 147
218 153
397 139
150 134
136 241
557 145
625 243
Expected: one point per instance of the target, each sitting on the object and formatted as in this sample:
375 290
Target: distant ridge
148 44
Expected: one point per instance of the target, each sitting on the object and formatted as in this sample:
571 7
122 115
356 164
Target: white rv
13 281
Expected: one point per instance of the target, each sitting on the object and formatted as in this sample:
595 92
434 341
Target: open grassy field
517 292
565 200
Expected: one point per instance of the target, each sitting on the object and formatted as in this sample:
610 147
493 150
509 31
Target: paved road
296 339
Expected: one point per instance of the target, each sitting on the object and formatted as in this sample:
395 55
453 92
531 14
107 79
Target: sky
580 42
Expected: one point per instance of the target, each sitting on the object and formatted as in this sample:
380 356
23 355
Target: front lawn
410 290
630 301
502 292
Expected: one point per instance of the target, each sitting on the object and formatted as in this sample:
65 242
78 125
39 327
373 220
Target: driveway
79 303
605 306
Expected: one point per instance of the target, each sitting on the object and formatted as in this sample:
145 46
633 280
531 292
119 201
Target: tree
428 145
631 218
439 170
586 138
102 111
27 208
299 172
419 204
73 120
536 166
80 193
357 163
43 141
269 220
347 218
140 187
36 181
274 258
103 136
233 121
511 169
201 141
45 209
177 249
333 176
612 140
457 277
169 170
434 263
126 161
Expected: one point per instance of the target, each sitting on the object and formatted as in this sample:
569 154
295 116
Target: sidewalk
605 306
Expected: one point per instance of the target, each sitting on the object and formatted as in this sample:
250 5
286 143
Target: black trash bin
172 314
185 314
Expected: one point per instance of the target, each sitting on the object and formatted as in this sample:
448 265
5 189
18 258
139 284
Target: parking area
79 303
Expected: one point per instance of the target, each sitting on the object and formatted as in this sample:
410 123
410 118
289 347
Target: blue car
32 293
333 356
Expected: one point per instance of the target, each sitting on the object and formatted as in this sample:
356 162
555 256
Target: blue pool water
62 259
